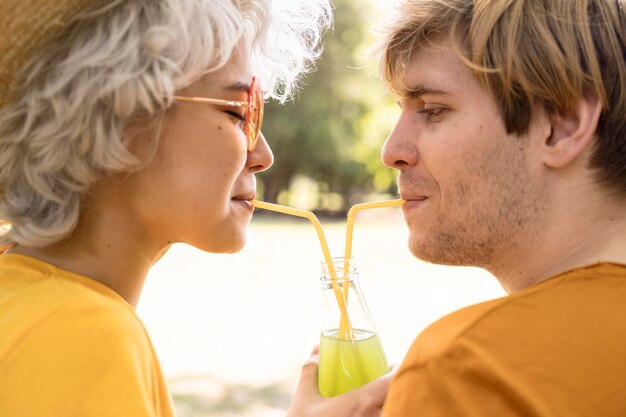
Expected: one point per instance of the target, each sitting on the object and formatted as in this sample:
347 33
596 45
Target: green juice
348 364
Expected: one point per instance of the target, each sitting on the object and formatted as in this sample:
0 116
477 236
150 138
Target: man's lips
412 197
414 188
412 201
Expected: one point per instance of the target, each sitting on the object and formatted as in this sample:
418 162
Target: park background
232 331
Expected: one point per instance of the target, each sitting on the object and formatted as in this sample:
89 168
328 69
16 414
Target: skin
196 189
366 401
525 208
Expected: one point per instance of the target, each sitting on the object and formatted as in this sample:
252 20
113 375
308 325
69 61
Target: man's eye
434 114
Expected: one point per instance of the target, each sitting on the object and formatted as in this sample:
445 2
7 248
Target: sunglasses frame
253 116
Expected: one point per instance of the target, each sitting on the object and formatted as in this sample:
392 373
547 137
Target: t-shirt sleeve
95 362
462 382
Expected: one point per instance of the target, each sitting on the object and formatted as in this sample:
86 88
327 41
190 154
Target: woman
127 126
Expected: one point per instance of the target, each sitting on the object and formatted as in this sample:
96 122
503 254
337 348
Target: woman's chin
233 245
234 249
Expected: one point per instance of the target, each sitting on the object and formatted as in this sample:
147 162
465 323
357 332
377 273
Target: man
511 152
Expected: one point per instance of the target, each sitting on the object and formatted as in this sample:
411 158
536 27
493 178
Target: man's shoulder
550 349
442 335
566 304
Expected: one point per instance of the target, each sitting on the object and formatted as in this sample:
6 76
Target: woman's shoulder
46 304
80 341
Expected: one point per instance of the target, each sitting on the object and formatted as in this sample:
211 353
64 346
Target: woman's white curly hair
120 62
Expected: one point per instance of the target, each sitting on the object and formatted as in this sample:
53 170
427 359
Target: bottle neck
340 269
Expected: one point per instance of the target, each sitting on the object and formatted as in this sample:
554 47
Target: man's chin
434 253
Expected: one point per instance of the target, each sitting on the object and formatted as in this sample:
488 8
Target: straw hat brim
27 26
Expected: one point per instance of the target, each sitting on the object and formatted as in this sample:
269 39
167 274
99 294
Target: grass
230 399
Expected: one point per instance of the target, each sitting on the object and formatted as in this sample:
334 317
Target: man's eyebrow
420 90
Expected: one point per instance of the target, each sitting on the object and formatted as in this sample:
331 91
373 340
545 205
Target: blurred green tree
333 129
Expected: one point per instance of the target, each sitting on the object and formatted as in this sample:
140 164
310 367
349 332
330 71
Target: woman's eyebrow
238 86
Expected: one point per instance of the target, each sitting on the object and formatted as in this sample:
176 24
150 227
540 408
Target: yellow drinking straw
345 329
350 227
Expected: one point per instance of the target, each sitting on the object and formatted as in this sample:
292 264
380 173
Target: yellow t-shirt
555 349
70 346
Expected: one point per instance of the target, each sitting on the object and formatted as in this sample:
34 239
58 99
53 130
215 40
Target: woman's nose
261 158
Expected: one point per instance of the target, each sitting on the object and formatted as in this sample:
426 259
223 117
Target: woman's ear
571 132
139 138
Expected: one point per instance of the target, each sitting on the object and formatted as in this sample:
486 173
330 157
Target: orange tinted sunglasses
253 115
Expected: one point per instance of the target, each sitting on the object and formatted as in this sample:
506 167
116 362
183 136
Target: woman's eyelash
241 117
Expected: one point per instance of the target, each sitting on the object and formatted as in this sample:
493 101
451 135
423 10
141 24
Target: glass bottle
350 351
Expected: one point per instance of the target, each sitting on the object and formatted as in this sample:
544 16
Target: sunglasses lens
254 114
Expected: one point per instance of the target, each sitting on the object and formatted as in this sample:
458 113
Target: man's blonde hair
525 53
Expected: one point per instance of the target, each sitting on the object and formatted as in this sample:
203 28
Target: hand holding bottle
357 348
365 401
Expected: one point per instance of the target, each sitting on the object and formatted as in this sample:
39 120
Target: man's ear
571 132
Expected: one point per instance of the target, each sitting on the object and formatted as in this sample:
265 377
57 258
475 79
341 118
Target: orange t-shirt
70 346
557 348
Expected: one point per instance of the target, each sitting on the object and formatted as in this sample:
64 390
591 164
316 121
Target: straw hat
26 26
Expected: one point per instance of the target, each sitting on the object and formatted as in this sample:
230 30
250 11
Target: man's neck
575 234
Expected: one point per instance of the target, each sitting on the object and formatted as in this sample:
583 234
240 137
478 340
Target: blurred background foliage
327 140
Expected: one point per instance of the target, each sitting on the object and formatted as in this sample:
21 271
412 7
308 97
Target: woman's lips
245 200
244 203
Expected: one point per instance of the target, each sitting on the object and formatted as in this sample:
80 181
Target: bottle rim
339 266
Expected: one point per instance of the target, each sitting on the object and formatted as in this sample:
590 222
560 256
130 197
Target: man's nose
399 150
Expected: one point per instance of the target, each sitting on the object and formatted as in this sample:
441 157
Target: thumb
376 390
308 378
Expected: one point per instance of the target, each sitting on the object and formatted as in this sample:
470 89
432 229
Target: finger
314 357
